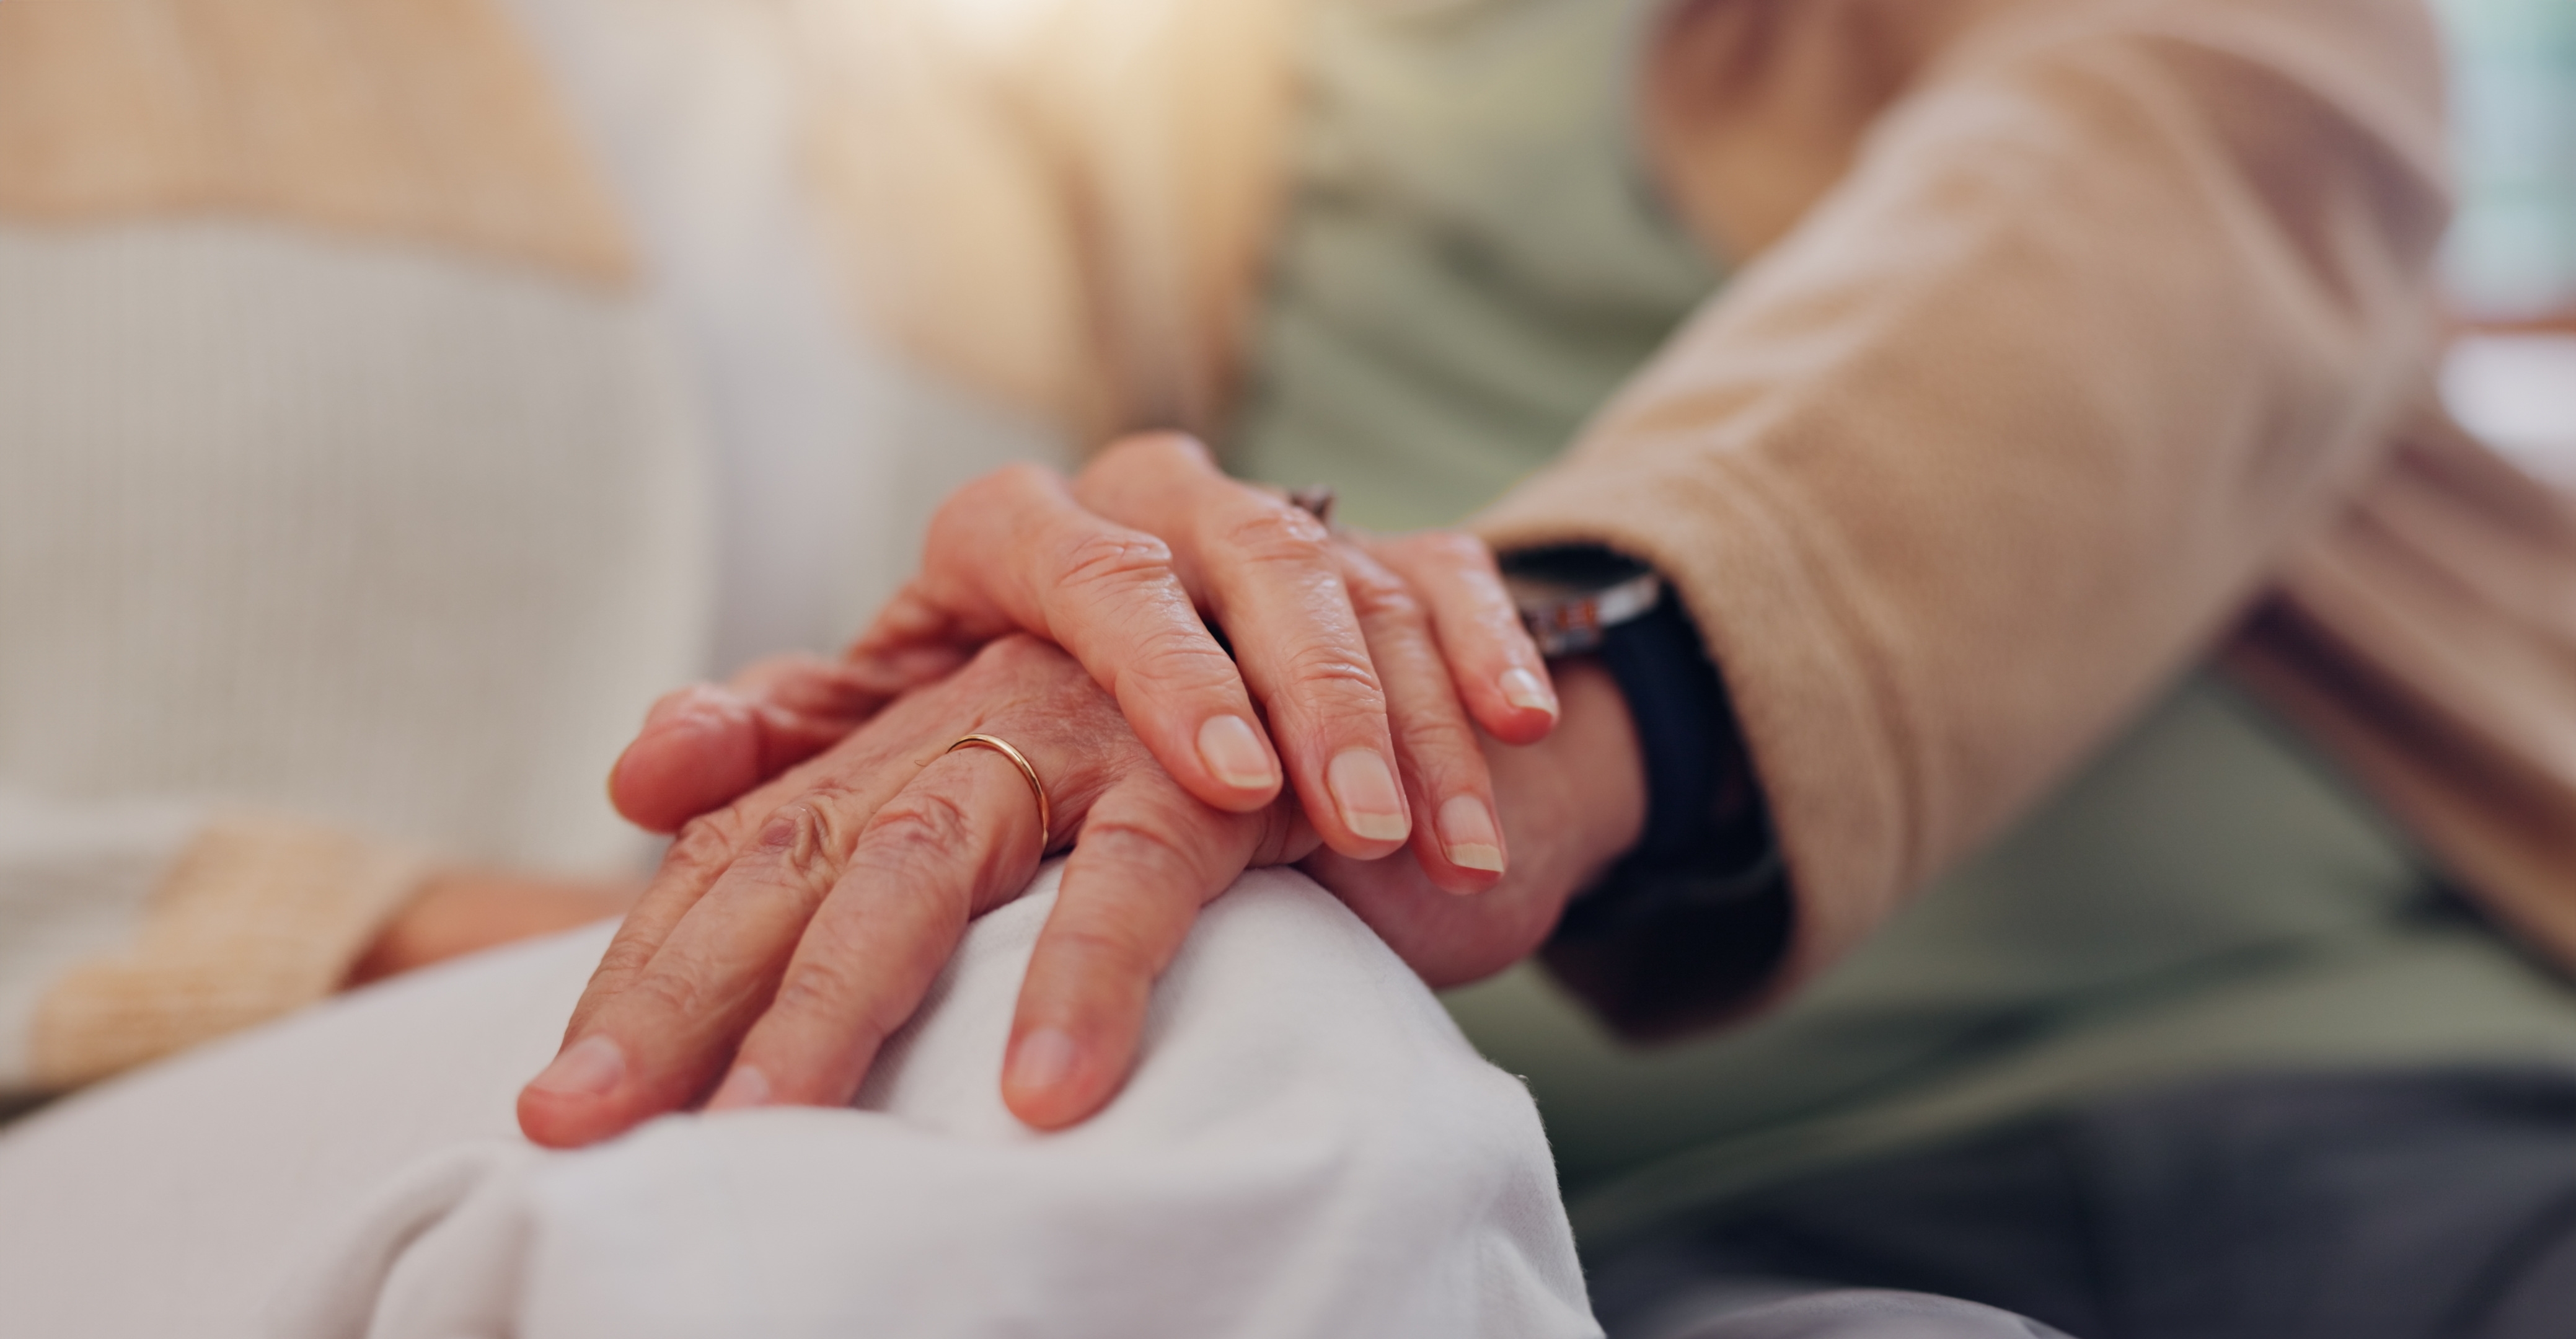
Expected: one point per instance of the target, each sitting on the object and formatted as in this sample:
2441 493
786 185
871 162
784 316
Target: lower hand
1572 804
787 935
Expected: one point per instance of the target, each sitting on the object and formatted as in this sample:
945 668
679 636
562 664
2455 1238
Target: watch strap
1707 835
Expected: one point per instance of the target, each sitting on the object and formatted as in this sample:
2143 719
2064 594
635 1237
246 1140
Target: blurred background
2510 263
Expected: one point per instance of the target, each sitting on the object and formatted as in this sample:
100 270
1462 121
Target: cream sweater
385 386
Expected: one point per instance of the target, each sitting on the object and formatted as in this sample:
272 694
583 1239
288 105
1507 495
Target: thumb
707 745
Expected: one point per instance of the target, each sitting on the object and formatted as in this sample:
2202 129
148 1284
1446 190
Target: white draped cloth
1308 1147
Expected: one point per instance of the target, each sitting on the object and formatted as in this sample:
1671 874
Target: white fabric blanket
1308 1148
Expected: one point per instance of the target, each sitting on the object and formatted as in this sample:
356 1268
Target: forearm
2022 412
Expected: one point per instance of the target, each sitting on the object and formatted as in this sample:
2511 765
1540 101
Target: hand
463 912
1369 657
796 930
786 936
1572 805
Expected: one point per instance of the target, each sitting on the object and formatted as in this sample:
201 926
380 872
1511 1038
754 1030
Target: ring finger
957 839
701 959
1268 573
1461 846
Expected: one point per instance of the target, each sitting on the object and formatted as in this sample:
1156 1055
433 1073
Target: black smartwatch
1707 844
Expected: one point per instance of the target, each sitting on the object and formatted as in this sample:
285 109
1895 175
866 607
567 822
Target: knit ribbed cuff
257 917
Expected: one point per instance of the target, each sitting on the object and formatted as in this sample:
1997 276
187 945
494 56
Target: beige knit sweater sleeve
130 930
2110 306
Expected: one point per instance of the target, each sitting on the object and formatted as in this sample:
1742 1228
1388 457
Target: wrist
1680 907
1594 773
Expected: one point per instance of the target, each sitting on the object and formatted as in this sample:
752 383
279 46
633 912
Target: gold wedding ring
1046 814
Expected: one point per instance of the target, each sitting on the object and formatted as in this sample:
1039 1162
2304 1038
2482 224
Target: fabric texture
2209 897
2250 1208
1736 1309
1307 1148
74 884
254 918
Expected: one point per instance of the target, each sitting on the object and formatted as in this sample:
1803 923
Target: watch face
1571 599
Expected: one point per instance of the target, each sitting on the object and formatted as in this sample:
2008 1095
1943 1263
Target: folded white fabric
1307 1148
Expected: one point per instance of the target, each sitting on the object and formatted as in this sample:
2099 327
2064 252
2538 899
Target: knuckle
1111 559
1141 838
919 824
818 986
703 843
1274 534
1322 666
1436 734
624 961
1012 656
1450 548
1378 597
802 841
669 994
624 958
1003 663
1176 657
1035 675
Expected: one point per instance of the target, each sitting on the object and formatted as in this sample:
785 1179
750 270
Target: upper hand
1372 661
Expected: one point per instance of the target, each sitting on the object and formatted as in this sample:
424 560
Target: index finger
1016 547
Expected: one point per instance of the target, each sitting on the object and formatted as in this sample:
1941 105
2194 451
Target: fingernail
1365 791
1468 835
744 1087
1527 691
1042 1061
1233 751
591 1068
